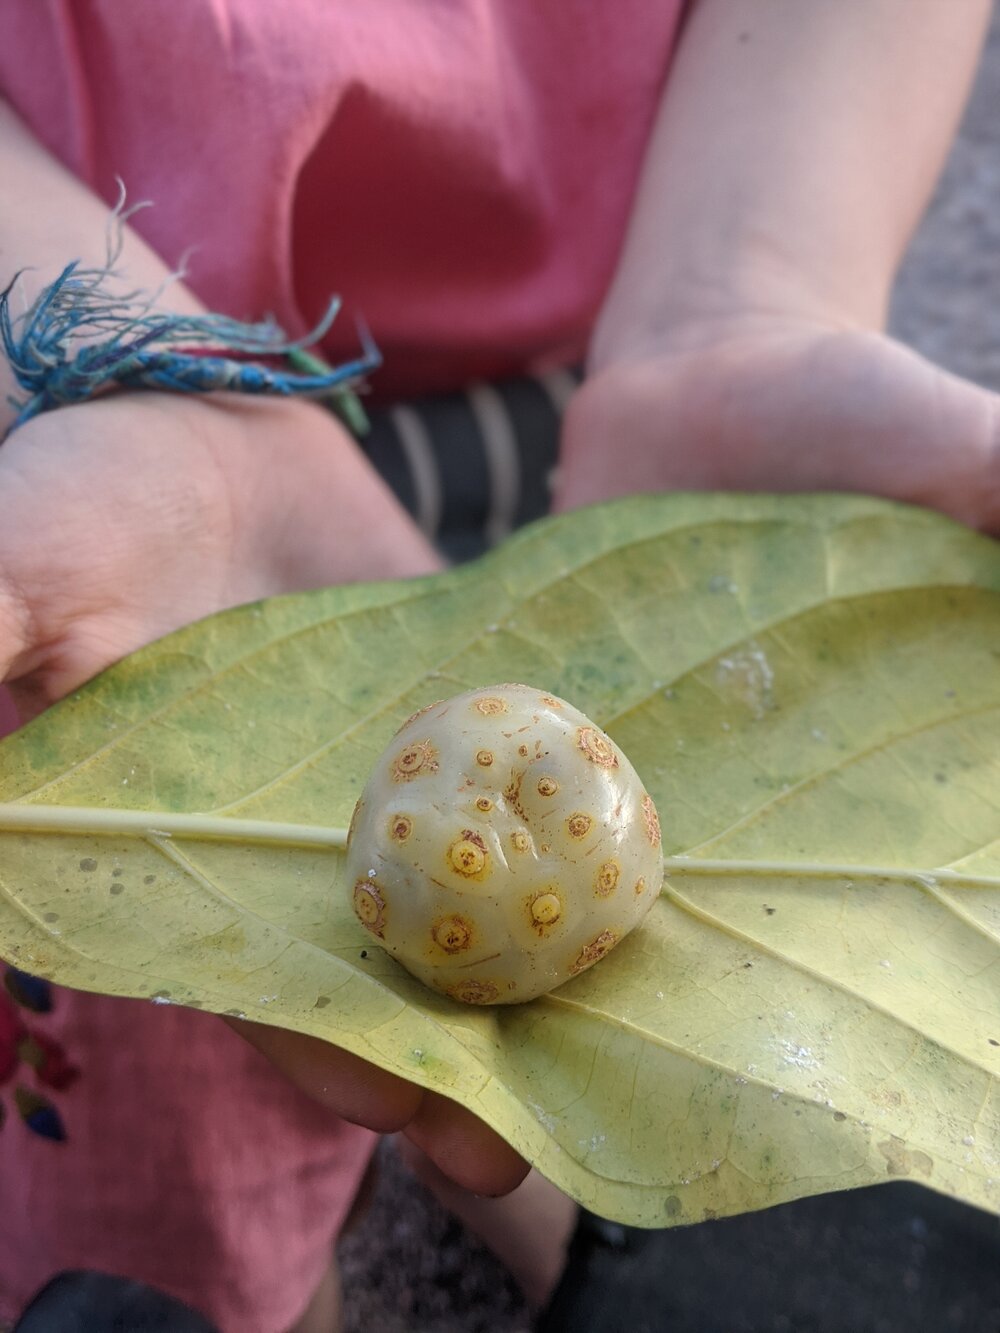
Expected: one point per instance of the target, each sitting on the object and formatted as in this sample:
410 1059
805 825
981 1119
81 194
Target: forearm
796 147
50 218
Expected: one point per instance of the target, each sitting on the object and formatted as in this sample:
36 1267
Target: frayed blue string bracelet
127 345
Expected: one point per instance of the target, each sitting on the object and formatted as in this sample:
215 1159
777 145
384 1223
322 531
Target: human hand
740 345
775 403
127 517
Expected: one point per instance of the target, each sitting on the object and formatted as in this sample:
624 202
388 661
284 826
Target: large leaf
809 687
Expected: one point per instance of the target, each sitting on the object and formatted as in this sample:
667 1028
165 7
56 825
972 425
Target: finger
347 1085
464 1148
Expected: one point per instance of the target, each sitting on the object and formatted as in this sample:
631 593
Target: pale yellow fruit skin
502 845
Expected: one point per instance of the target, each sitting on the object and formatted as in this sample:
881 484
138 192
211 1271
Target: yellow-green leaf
809 687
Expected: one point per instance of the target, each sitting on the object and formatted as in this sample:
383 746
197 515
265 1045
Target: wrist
745 297
309 510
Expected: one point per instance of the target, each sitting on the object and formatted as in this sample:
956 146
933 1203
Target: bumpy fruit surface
502 845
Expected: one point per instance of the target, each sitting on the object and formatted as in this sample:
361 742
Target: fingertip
339 1080
465 1148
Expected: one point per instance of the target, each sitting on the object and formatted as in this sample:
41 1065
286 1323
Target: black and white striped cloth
473 466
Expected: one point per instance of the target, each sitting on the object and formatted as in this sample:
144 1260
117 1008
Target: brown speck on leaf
418 760
594 951
578 825
596 747
903 1161
369 906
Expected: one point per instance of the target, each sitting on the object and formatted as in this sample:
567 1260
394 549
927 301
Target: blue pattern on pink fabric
26 1047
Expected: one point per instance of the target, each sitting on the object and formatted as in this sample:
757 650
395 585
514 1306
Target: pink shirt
461 171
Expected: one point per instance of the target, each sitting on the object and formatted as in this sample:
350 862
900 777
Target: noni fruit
502 845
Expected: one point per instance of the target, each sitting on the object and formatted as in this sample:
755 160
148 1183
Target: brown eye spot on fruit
512 794
484 758
520 840
452 933
355 813
484 804
419 713
490 706
596 747
369 906
400 827
475 992
547 786
467 855
578 825
546 909
640 886
594 951
607 879
418 760
551 701
651 820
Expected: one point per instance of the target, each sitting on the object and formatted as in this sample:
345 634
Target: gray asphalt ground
891 1260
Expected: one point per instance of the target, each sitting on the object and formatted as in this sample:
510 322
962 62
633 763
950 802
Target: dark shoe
98 1303
600 1258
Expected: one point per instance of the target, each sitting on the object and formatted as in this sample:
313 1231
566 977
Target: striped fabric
473 466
